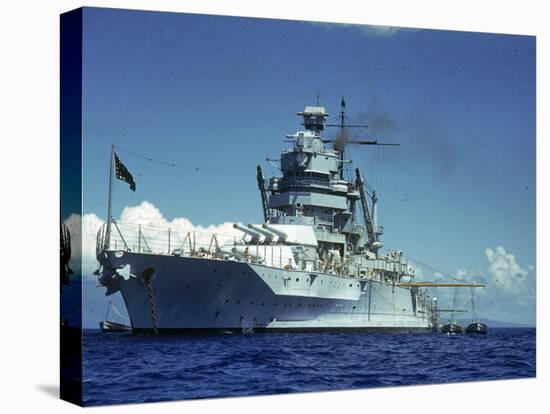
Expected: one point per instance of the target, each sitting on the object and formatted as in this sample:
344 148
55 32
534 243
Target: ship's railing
179 241
176 241
158 239
301 182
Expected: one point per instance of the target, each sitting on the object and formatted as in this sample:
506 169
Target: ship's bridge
309 155
310 190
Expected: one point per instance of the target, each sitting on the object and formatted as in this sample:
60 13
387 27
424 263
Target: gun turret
257 237
279 233
269 236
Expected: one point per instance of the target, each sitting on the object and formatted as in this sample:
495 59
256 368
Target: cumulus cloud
504 270
364 29
509 294
154 229
382 30
147 219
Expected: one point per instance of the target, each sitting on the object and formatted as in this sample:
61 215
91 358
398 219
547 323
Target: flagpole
109 204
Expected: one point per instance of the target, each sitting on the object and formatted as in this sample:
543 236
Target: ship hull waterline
201 295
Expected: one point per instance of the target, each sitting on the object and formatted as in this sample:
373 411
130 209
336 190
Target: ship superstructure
314 263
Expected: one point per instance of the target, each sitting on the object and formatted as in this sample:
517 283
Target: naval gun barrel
269 236
256 236
279 233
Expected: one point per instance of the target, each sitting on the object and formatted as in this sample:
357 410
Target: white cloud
504 271
365 29
509 293
462 273
511 287
382 30
154 227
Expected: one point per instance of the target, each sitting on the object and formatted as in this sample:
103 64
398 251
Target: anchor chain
148 278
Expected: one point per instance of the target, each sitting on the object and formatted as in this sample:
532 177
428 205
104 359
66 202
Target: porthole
238 302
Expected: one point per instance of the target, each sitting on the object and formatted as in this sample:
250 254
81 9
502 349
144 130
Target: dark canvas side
71 206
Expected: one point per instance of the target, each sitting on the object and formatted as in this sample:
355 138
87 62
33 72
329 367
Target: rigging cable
116 310
171 164
444 274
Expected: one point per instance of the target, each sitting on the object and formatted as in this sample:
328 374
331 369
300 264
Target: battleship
315 263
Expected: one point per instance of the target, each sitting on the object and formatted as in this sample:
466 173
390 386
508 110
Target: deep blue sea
121 368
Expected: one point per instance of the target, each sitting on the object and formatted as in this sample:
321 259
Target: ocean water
121 368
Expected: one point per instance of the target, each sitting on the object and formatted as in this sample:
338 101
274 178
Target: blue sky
217 95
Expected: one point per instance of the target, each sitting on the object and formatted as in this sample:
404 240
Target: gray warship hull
191 294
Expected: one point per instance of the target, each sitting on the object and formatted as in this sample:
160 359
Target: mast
109 202
342 137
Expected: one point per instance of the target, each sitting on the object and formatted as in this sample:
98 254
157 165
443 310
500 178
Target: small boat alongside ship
452 328
476 327
110 326
107 325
